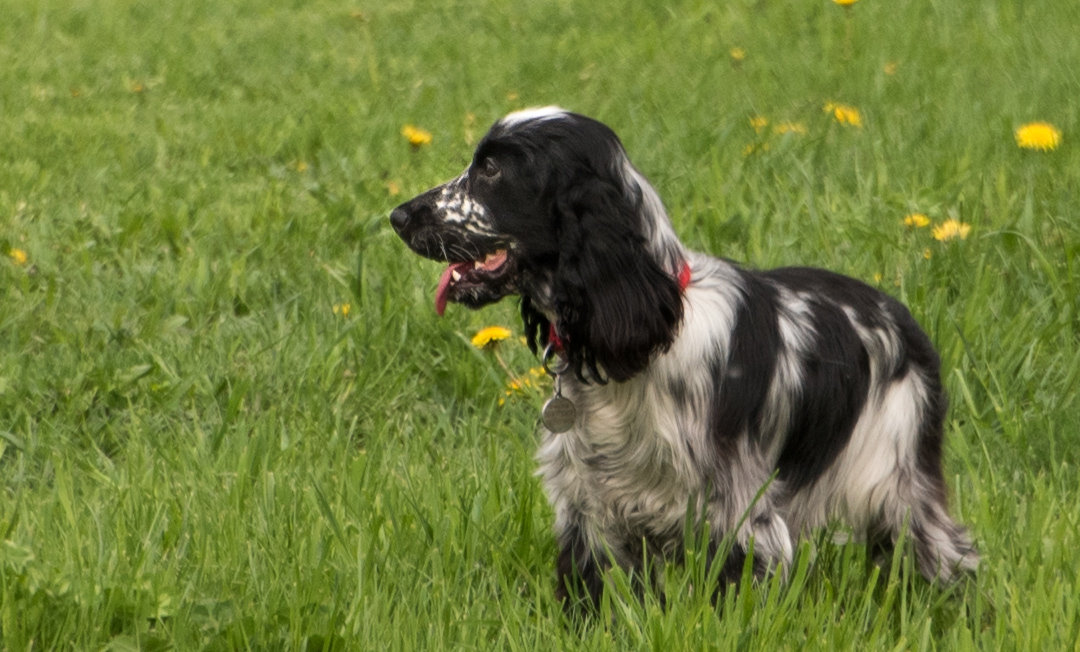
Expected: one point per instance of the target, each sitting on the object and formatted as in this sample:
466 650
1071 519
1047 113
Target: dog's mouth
476 282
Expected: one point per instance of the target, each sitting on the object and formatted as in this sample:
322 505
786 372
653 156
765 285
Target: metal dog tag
558 414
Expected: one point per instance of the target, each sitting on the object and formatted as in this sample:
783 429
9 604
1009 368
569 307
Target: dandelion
486 336
890 68
789 128
755 148
514 386
759 122
393 188
416 136
18 255
950 229
916 221
519 384
737 54
1042 136
487 339
844 114
845 3
342 309
522 384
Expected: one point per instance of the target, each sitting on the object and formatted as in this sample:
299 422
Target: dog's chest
627 464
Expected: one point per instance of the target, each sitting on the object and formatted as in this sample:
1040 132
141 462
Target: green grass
197 452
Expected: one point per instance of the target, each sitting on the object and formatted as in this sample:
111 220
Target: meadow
230 418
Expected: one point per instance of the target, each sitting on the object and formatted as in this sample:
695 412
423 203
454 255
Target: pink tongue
444 286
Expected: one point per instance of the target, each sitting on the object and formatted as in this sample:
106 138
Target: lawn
230 418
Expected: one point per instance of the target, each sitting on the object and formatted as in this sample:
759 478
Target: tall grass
229 417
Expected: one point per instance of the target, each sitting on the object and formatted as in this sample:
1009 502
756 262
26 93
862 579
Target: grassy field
229 417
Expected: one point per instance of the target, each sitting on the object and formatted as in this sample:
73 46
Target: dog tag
558 414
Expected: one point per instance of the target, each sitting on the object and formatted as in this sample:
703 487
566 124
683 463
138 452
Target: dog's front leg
580 567
757 530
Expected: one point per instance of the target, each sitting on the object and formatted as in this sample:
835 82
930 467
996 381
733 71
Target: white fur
533 115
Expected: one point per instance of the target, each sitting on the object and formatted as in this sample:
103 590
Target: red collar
684 276
556 343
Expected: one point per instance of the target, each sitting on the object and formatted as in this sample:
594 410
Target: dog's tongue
443 290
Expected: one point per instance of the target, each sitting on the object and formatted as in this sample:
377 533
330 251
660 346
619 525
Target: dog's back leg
915 496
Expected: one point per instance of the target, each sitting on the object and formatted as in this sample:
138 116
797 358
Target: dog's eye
488 169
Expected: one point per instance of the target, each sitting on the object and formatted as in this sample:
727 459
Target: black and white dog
765 403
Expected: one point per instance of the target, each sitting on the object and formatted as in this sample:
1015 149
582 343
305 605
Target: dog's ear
616 305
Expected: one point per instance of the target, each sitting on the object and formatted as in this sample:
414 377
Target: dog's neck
556 342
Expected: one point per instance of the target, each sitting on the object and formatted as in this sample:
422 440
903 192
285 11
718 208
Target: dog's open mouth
475 282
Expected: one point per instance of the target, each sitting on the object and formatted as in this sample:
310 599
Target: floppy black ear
616 305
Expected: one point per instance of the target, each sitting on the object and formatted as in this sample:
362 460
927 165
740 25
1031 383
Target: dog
762 404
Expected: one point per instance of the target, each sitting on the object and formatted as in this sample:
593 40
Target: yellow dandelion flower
950 229
301 166
844 114
891 67
738 55
789 128
486 336
1042 136
755 148
416 136
845 3
342 309
916 220
393 188
759 122
878 277
18 255
519 385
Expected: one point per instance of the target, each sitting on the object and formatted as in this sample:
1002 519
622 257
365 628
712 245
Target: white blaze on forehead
537 113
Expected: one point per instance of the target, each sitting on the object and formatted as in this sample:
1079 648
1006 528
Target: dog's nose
399 219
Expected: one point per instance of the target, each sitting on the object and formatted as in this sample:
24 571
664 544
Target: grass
197 450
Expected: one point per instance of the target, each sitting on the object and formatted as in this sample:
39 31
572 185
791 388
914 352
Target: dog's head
552 210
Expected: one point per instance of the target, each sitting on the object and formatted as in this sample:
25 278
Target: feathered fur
812 392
